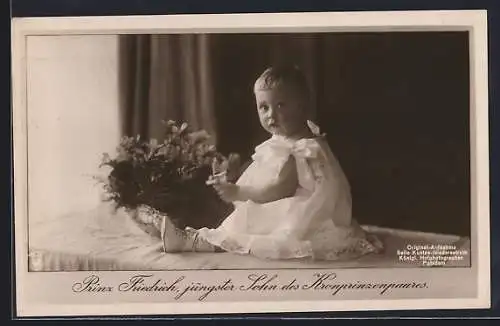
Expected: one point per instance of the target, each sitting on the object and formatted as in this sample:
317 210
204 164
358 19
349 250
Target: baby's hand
217 179
229 192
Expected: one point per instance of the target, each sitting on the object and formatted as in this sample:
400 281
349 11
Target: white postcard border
472 21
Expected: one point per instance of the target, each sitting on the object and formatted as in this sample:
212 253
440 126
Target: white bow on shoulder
306 148
315 129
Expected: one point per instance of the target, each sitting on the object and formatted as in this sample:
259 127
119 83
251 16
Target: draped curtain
166 77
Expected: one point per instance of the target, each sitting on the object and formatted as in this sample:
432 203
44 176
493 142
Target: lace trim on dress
354 243
265 247
355 246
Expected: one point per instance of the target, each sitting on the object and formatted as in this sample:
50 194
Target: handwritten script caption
181 286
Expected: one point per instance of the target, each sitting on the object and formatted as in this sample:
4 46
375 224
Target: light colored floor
100 240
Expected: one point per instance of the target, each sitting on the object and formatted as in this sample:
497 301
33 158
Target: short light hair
286 75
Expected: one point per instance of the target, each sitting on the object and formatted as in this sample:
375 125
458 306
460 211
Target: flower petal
184 126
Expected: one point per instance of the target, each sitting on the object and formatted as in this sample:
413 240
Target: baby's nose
271 113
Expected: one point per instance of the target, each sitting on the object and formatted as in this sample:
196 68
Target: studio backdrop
394 106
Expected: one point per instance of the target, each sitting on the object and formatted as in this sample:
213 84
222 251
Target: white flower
184 126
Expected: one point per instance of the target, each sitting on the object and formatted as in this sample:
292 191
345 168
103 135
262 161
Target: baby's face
280 112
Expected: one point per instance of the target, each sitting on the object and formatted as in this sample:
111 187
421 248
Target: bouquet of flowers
167 177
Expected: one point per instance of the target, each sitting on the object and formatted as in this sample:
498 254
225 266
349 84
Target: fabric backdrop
166 77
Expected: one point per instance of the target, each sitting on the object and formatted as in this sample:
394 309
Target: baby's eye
263 107
280 105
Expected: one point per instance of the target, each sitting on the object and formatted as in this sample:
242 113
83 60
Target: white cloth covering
100 239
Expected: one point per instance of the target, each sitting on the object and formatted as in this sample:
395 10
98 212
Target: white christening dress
316 222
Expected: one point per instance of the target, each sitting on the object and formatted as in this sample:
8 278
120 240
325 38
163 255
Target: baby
293 200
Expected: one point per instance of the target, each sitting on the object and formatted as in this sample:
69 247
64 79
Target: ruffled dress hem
356 243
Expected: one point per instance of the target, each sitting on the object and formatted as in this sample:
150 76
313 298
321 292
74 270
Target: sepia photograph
378 145
314 151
